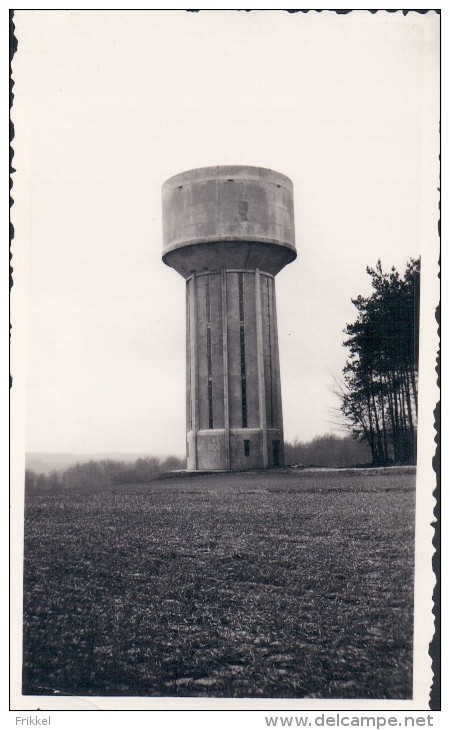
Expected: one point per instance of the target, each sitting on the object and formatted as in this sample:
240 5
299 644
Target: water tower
228 231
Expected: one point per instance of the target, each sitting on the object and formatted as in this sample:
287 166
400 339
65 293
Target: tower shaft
233 396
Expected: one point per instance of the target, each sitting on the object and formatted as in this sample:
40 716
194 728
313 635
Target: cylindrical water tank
241 217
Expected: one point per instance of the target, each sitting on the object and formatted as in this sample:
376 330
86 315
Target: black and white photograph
225 262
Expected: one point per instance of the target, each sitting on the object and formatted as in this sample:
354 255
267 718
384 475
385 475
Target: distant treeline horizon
329 450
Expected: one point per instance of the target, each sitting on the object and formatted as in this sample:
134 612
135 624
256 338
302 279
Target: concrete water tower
228 231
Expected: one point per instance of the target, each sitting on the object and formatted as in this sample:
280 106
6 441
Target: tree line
102 473
378 393
329 450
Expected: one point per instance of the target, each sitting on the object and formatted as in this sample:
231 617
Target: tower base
249 448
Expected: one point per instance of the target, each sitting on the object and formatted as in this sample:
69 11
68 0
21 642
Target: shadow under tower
228 231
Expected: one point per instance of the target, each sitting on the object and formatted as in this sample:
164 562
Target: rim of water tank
203 174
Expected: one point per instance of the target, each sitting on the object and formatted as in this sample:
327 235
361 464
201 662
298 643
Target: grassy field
269 584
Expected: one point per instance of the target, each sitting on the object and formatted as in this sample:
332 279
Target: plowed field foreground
265 584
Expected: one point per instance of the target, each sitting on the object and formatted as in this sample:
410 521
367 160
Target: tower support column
260 365
277 374
226 405
192 348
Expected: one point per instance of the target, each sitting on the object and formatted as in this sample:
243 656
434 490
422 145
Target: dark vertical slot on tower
242 351
276 454
208 355
269 333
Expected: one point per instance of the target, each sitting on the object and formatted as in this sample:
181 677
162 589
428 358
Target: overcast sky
109 104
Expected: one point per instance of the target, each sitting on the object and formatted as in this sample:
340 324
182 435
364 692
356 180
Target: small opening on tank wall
230 179
180 186
278 186
246 447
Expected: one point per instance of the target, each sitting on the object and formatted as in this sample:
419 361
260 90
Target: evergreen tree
379 397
